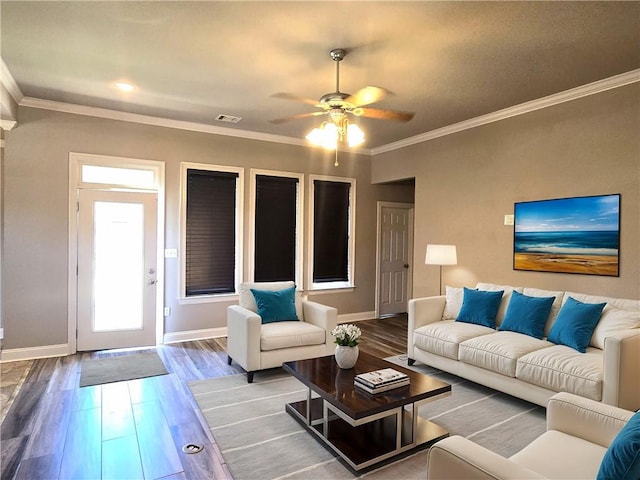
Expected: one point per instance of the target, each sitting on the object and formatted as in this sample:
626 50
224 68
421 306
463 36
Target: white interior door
117 255
394 252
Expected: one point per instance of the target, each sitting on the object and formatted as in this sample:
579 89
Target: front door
117 251
394 254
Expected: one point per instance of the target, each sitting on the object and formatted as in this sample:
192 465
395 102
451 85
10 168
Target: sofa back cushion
479 307
506 297
575 324
453 303
619 314
555 307
527 314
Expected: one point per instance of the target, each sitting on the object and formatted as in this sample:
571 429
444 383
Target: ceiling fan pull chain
336 163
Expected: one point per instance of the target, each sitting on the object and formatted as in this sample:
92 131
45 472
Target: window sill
227 297
323 291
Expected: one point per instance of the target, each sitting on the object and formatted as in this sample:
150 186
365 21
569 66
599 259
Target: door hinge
77 206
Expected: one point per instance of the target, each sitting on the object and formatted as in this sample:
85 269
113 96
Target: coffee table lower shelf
371 441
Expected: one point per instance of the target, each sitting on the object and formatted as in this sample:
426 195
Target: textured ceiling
447 61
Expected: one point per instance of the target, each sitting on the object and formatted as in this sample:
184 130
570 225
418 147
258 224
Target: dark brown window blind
210 232
330 231
275 228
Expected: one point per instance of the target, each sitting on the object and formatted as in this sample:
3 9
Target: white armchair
257 346
579 431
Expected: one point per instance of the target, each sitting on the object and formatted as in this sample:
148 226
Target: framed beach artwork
568 235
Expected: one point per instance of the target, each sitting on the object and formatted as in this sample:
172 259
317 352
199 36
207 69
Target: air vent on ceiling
228 118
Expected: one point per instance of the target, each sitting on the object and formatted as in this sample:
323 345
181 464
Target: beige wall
36 223
467 182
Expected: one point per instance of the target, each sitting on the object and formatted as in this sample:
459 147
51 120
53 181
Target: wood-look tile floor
52 429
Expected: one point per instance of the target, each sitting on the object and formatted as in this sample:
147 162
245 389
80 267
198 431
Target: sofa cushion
499 351
555 307
290 334
614 320
443 338
453 303
622 460
556 454
276 305
575 324
563 369
479 307
527 315
506 297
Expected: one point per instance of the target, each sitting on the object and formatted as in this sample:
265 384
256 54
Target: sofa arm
458 458
584 418
243 337
422 311
621 378
322 316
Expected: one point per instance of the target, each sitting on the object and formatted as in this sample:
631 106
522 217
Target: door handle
406 265
153 281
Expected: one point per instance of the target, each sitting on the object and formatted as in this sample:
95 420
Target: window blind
275 228
331 231
210 232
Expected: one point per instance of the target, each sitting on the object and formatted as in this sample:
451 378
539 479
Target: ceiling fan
338 104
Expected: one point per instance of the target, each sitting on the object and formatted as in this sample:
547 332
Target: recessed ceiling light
125 87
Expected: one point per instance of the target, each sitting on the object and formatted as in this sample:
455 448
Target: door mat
118 369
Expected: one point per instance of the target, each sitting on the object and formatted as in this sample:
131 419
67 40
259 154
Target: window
212 239
276 240
333 226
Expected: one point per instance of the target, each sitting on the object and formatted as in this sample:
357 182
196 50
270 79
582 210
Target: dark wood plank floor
135 429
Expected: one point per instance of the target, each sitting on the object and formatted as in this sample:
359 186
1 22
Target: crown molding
9 82
155 121
544 102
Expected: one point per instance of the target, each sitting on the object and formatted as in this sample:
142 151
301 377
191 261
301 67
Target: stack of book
381 380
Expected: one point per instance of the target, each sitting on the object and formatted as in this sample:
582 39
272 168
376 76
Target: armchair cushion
622 460
276 305
277 335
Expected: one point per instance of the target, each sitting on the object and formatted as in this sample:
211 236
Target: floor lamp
441 255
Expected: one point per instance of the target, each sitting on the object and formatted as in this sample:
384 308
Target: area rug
117 369
259 440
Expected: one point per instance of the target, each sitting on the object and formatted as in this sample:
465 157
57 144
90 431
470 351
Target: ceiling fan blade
295 98
384 114
367 95
296 117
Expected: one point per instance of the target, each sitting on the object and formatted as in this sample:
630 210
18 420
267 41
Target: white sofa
256 346
525 366
579 431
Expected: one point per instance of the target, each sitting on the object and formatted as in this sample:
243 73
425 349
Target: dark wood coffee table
362 428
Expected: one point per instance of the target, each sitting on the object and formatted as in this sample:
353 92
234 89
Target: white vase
346 357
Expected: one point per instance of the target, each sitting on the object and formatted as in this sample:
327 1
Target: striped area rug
259 440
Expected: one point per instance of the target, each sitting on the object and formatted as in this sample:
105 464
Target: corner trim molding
544 102
31 353
9 82
190 335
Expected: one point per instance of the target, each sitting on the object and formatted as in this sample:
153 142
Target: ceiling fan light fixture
326 136
355 136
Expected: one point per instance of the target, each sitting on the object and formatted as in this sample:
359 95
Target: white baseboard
356 317
190 335
31 353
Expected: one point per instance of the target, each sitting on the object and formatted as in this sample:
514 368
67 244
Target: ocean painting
568 235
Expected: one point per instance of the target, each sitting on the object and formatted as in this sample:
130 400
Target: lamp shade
441 255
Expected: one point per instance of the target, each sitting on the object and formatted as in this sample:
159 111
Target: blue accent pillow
622 460
277 305
527 315
480 307
575 324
